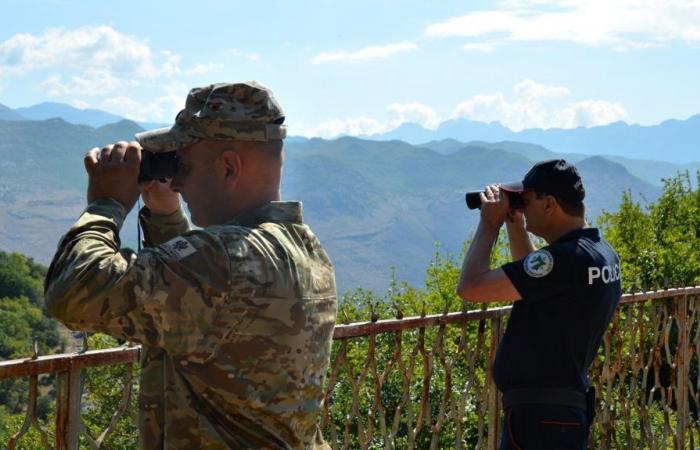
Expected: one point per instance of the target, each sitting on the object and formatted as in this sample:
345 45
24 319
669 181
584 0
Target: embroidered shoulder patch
538 264
178 248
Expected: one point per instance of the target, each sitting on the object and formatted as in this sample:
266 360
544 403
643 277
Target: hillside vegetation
22 319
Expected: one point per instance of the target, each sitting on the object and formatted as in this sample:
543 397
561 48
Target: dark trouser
544 427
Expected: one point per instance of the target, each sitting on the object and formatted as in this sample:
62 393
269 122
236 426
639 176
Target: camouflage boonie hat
224 111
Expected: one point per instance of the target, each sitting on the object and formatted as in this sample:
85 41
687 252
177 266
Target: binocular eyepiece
158 166
515 200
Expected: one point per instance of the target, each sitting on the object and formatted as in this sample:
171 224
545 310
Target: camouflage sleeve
159 229
164 296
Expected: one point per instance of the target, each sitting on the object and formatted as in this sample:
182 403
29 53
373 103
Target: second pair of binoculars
515 199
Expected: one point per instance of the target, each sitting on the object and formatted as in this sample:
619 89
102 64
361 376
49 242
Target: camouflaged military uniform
235 321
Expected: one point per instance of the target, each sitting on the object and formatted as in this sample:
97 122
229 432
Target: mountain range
675 141
378 204
51 110
374 204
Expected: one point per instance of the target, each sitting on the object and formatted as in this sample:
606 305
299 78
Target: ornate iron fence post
682 365
69 390
493 395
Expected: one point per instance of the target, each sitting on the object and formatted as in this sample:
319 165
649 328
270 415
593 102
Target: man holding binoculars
235 319
565 295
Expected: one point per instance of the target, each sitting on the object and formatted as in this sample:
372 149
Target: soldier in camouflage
235 319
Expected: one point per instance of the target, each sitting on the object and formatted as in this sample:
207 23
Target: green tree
22 320
659 243
21 276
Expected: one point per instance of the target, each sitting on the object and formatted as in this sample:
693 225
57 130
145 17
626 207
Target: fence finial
35 348
374 316
85 342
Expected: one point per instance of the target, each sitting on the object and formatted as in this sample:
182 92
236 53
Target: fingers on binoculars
122 151
91 158
132 154
105 153
118 152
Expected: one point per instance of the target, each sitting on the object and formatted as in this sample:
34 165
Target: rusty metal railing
424 382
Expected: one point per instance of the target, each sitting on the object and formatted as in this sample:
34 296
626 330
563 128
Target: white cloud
171 65
354 126
367 53
539 106
412 112
533 105
632 45
590 113
91 83
250 56
80 104
622 24
398 113
530 90
93 60
132 109
203 69
484 47
162 108
90 47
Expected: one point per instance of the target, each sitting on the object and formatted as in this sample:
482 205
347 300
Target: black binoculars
158 166
515 200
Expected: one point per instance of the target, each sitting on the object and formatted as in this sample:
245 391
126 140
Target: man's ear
232 165
550 204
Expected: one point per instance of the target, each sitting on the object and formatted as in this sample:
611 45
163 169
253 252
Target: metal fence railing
424 382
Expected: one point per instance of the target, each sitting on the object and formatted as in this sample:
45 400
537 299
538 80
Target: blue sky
363 66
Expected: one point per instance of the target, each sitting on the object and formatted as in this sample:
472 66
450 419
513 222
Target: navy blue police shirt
569 291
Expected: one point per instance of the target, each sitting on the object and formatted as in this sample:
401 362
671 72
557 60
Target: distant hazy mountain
42 180
651 171
375 204
655 171
9 114
153 125
676 141
92 117
380 204
408 132
673 140
50 110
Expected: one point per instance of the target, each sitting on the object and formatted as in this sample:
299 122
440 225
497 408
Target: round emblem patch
538 264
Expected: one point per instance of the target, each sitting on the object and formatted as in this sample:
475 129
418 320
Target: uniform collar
270 212
592 233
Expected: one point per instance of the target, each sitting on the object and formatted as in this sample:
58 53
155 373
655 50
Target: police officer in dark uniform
565 295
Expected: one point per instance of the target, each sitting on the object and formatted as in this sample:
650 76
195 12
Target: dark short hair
572 208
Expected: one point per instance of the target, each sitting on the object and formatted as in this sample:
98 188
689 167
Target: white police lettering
607 274
538 264
178 248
